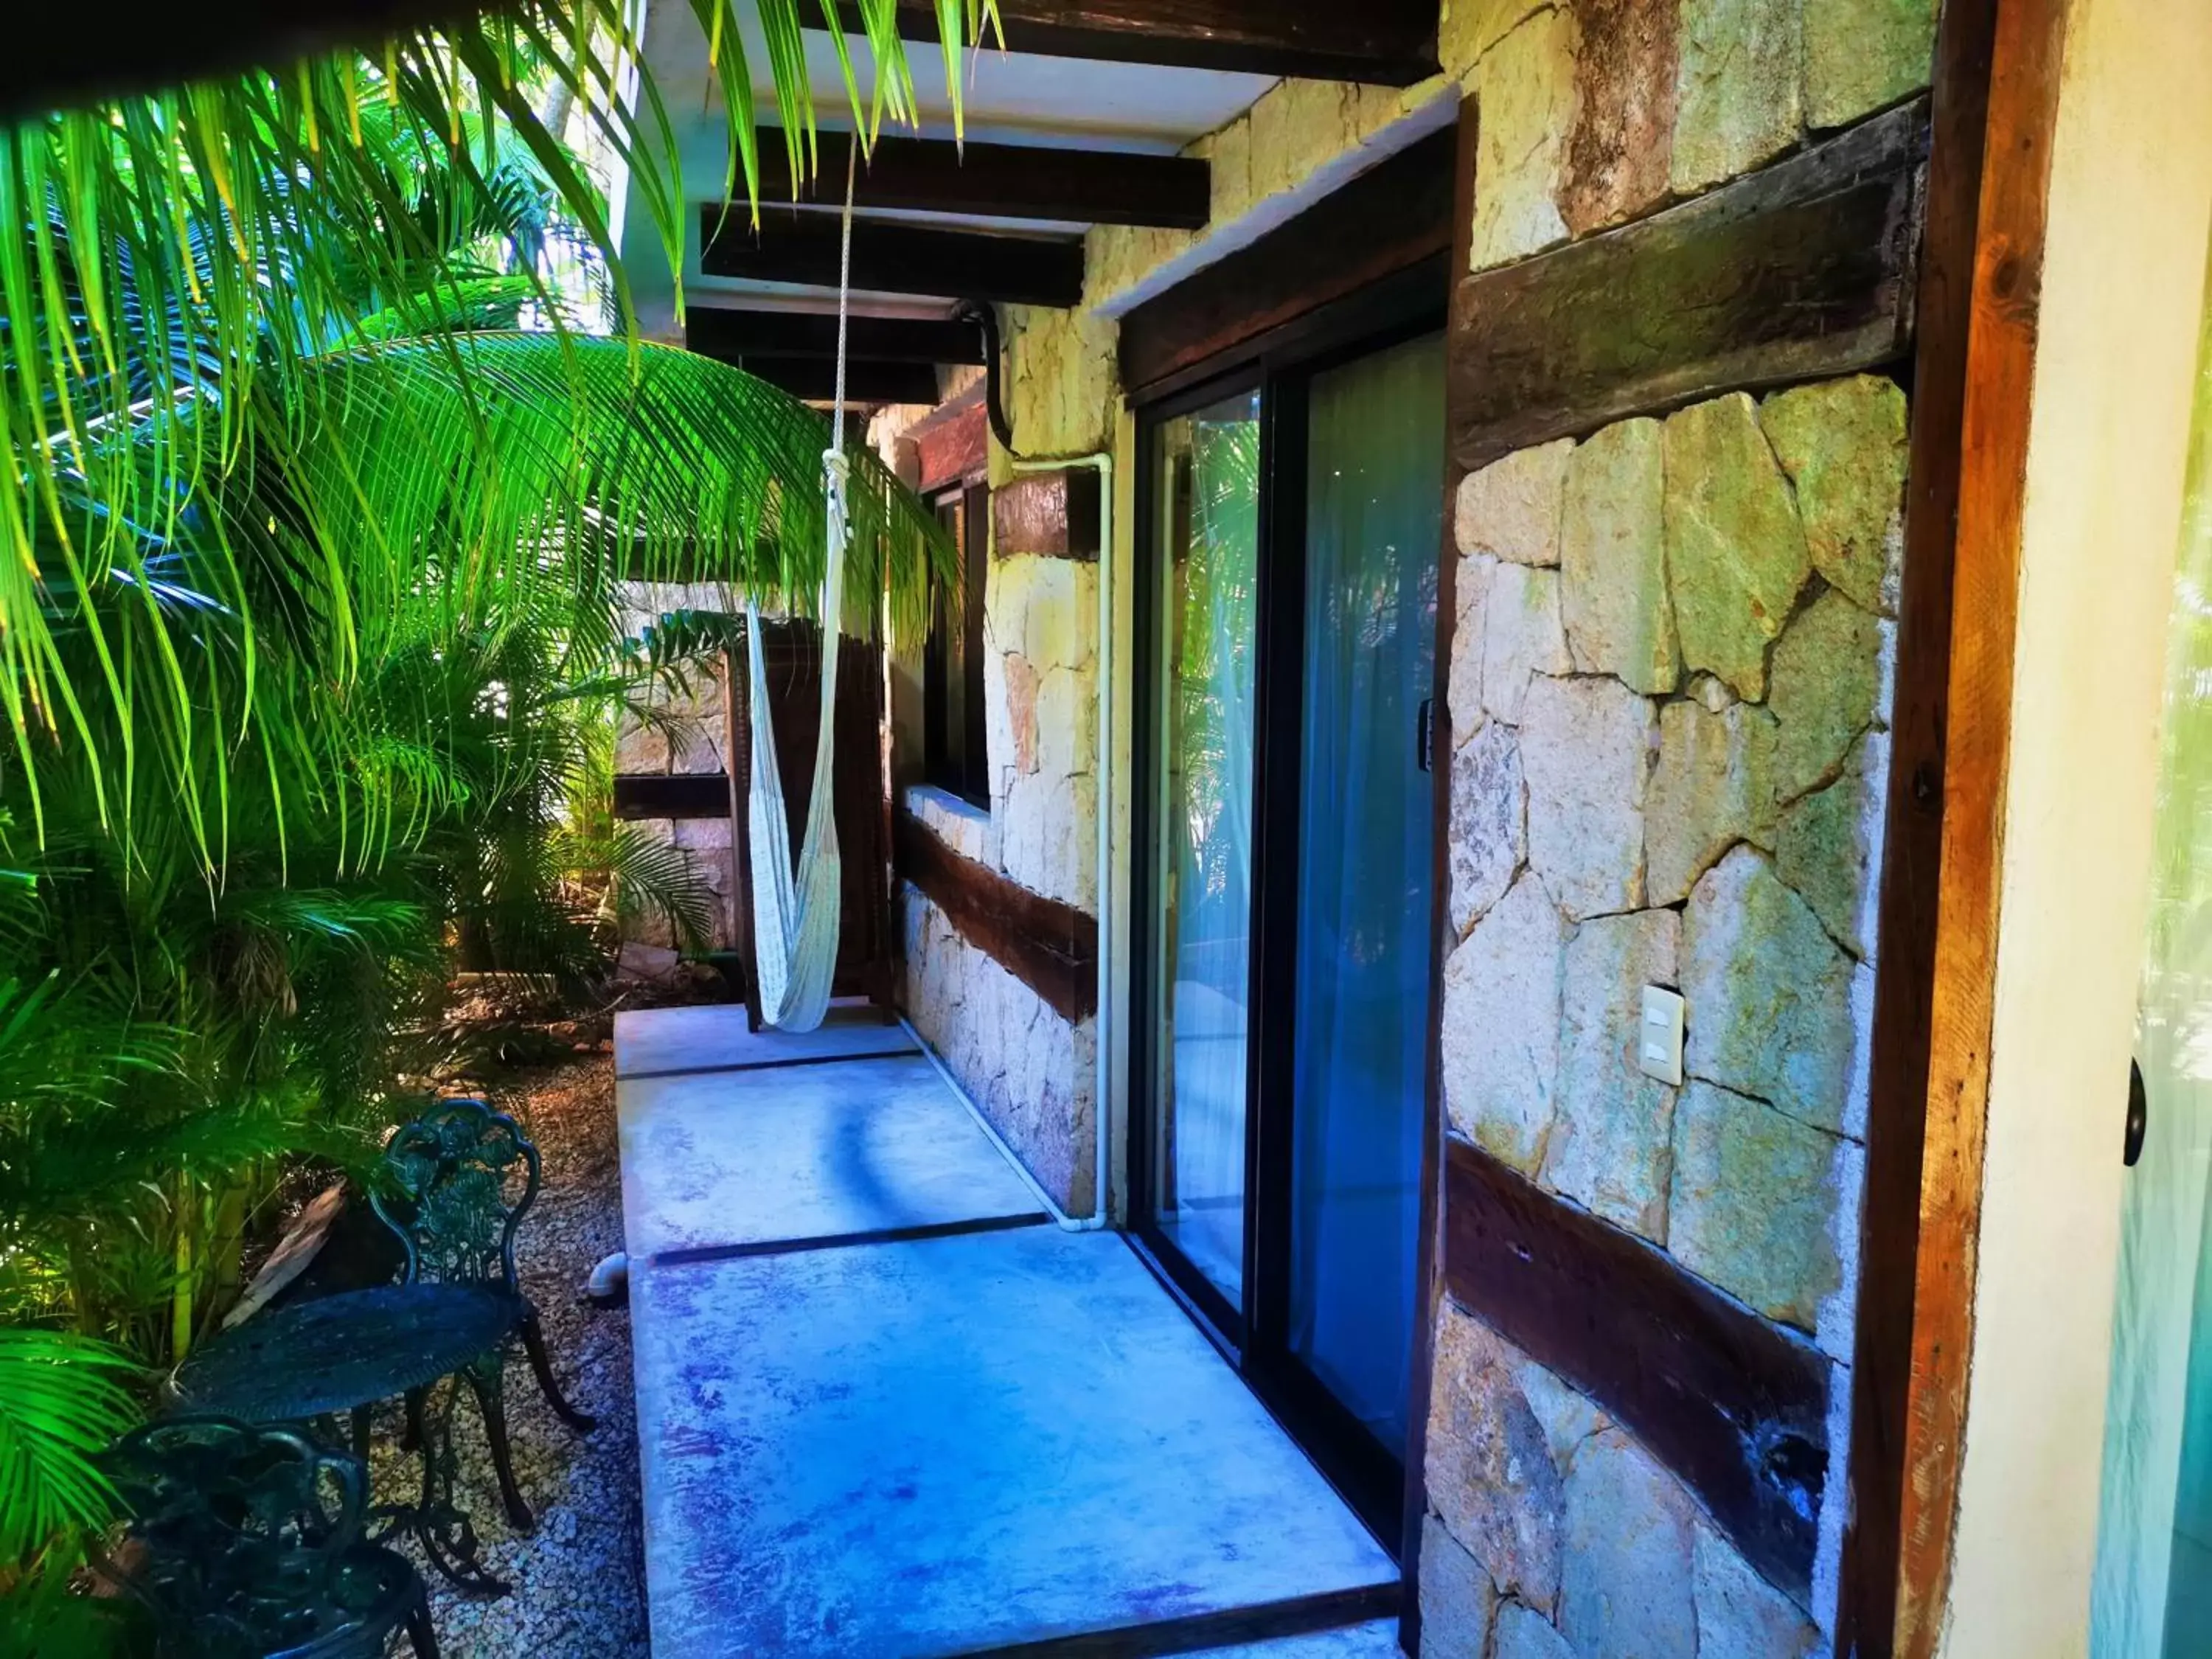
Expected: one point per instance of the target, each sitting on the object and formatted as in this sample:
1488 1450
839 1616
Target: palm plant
311 562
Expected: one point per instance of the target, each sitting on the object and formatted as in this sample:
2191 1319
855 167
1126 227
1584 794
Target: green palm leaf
62 1403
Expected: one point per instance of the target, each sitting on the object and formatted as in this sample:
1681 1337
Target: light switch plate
1659 1036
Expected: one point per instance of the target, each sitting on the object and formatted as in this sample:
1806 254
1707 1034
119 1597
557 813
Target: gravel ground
580 1580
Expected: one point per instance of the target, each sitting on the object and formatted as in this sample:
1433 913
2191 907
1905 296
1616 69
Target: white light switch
1659 1036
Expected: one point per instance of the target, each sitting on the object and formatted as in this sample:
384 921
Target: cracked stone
1710 790
1738 98
1843 444
1491 1475
1511 508
1625 1581
1489 819
1586 752
1769 992
1740 1615
1501 1026
1569 1418
1524 1633
1521 636
1827 691
1735 551
1754 1201
1861 55
1613 550
1458 1601
1470 625
1526 86
1624 132
1612 1146
1827 843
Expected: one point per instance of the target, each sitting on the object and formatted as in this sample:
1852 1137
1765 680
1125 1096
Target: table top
338 1351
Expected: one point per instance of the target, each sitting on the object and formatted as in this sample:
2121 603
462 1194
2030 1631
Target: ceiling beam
797 246
728 331
867 380
1384 42
140 46
1018 181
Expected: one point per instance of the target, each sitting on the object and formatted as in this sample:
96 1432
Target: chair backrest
241 1529
454 1184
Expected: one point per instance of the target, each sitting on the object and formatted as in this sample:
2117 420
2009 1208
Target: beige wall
2130 204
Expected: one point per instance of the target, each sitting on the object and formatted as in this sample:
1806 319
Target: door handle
2138 1117
1424 734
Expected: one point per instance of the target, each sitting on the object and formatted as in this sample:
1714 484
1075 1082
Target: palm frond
62 1403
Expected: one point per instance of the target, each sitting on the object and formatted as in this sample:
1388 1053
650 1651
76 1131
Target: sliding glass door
1374 506
1208 537
1292 527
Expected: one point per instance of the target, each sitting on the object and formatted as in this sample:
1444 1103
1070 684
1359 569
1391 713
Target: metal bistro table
345 1353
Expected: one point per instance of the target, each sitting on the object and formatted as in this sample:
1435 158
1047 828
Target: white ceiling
1008 98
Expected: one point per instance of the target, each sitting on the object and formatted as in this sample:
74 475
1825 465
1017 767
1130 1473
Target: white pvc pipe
1101 1107
997 1139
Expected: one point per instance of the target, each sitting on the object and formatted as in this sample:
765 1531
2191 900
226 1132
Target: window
953 748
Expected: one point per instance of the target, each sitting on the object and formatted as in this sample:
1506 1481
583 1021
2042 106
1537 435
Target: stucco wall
1669 691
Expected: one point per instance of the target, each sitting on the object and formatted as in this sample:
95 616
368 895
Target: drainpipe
986 317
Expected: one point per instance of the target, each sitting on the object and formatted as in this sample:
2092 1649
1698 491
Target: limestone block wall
1029 1069
1668 692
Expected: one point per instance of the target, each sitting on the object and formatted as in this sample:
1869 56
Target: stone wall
1668 691
1029 1070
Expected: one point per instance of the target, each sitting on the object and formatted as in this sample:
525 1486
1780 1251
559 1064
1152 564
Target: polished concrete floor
944 1440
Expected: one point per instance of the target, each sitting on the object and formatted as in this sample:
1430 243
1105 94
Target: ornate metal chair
249 1547
454 1185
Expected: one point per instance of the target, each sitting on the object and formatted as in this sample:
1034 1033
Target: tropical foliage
314 547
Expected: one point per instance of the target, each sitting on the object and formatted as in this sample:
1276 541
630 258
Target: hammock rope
795 912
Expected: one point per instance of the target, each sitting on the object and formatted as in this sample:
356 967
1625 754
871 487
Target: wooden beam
866 380
1393 217
951 443
1051 947
1736 1408
1802 270
800 245
682 795
1897 1118
1053 514
140 46
2027 56
1014 181
1381 42
728 331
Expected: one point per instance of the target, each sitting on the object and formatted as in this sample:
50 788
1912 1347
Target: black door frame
1280 367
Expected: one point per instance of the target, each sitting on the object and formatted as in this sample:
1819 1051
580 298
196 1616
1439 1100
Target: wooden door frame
1995 108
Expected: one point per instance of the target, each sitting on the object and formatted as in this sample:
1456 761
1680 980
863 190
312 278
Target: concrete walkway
888 1409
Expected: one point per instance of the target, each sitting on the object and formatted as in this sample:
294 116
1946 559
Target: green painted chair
454 1184
247 1544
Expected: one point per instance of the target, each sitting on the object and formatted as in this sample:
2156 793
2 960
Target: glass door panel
1374 525
1207 487
2153 1593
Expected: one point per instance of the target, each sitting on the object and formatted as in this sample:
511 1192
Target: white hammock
795 913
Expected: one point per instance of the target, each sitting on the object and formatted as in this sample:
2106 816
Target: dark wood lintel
1800 270
1051 947
1736 1407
